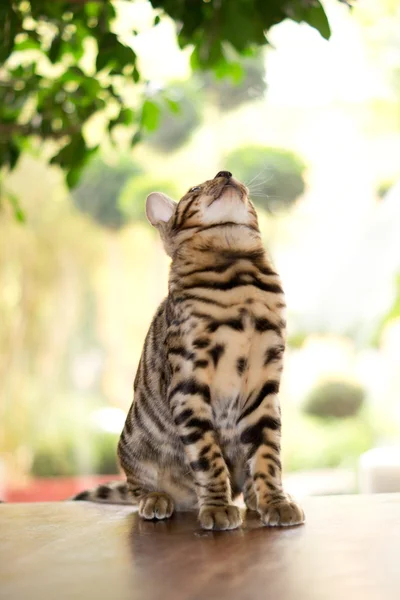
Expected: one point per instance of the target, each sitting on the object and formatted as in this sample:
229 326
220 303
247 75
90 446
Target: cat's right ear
159 208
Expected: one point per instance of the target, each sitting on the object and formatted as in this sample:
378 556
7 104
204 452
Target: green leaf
18 212
125 117
174 105
113 54
13 152
136 138
55 49
9 27
74 173
206 56
150 115
92 9
194 59
72 153
74 73
316 17
111 124
73 176
28 44
136 75
233 70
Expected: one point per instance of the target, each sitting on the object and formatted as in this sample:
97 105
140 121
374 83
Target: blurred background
313 127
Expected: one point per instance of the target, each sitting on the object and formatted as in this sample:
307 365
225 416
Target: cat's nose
225 174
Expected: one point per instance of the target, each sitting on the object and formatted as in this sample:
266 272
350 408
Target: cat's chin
229 206
231 192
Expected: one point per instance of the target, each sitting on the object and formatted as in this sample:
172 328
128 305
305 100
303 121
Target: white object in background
379 471
109 418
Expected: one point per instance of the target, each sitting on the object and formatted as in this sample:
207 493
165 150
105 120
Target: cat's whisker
256 176
258 186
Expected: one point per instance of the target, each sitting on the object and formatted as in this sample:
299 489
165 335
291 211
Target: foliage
50 89
67 440
62 455
104 447
245 85
335 443
52 460
179 115
274 176
98 191
296 339
335 399
384 187
133 196
70 336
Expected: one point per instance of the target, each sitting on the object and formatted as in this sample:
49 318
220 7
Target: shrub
228 94
176 125
66 457
133 196
311 444
98 191
104 448
55 460
276 176
68 442
335 399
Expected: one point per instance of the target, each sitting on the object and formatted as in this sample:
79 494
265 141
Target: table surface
349 549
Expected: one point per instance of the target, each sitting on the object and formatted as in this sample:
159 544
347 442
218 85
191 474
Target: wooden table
349 549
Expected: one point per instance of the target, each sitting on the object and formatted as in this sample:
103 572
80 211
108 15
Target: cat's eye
195 189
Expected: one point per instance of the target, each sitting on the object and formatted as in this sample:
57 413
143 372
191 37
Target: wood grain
348 549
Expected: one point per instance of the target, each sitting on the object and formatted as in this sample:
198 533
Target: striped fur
205 422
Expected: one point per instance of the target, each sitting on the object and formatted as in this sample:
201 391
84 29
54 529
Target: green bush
67 442
180 114
334 399
275 176
308 443
52 460
231 94
104 448
296 340
66 457
132 199
98 191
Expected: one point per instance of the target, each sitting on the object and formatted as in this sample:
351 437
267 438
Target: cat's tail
115 492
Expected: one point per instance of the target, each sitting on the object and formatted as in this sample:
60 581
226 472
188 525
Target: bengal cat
205 422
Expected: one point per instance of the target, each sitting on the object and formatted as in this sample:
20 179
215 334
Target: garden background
313 127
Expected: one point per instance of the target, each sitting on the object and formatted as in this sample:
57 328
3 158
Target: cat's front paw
220 517
156 505
281 511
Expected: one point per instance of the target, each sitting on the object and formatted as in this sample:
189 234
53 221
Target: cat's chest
226 411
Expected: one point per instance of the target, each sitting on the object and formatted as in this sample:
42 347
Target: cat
205 422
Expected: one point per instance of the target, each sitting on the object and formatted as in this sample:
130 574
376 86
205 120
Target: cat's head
215 205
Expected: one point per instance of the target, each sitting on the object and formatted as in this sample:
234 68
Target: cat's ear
159 208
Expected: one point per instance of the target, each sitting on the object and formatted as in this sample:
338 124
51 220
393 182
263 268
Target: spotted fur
205 422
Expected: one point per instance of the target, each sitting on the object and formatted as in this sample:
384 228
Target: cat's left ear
159 208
